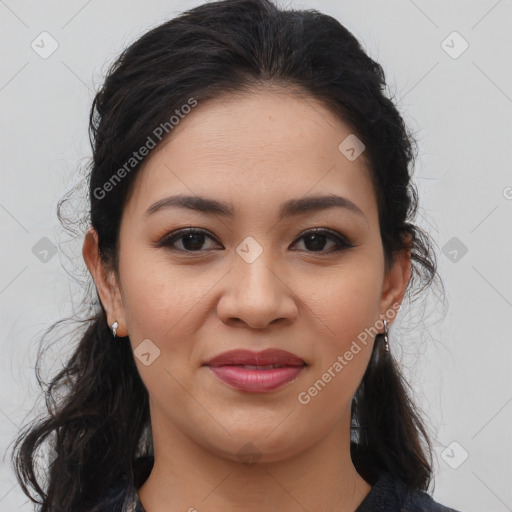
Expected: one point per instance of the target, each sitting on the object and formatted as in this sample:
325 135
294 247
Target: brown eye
315 240
192 240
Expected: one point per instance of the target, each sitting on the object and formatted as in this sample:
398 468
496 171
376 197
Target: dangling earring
386 335
115 325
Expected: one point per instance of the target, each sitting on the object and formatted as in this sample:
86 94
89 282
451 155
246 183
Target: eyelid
176 235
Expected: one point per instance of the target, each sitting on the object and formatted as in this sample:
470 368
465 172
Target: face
257 278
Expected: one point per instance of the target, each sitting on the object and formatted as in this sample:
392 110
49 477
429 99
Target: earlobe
105 282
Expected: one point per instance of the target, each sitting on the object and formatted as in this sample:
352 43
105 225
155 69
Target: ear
396 280
106 283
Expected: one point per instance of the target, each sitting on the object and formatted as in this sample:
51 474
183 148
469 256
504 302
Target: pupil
319 239
191 237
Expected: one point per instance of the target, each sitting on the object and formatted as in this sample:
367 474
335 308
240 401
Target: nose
257 295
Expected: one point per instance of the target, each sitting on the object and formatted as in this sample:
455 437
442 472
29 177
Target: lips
256 372
267 358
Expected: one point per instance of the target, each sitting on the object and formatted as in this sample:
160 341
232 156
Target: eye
193 240
315 240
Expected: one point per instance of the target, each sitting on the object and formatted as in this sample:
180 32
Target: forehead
265 142
269 121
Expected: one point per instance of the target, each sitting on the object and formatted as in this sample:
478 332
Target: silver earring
386 335
115 325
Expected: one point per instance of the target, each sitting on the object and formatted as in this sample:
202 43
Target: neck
188 476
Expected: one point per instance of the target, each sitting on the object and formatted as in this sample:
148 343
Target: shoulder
114 500
419 501
122 496
390 494
422 502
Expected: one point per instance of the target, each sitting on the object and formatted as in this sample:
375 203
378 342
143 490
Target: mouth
258 367
246 358
256 372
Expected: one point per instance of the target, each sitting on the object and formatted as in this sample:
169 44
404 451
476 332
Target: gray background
458 103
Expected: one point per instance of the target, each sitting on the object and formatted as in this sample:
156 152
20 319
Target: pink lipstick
256 372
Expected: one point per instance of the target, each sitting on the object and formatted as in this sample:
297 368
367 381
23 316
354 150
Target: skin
253 151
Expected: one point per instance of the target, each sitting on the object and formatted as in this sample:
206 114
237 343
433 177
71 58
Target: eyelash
342 242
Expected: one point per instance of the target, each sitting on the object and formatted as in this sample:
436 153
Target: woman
251 243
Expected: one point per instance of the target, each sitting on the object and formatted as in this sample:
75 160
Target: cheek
158 295
161 305
346 306
347 301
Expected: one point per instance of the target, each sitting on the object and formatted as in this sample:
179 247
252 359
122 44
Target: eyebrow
288 208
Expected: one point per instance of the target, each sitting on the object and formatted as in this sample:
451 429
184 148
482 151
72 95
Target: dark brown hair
102 423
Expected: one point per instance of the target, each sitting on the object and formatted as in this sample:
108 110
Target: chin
257 446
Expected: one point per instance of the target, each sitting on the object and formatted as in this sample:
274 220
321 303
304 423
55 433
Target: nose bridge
256 292
254 269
